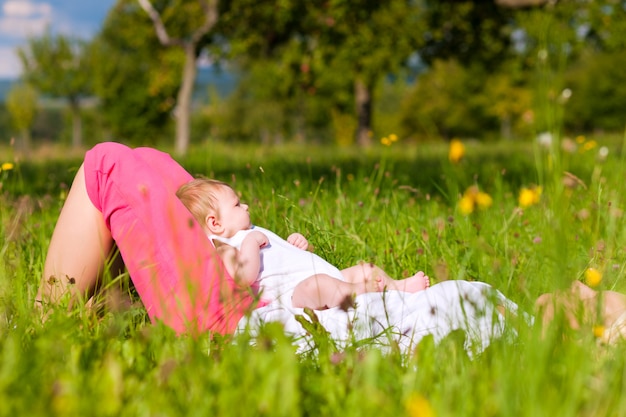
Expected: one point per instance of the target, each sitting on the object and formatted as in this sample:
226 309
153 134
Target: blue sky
21 19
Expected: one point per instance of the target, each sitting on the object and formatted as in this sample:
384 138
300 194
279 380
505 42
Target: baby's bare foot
417 282
374 284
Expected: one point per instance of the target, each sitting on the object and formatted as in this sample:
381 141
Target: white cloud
23 18
20 28
26 8
10 64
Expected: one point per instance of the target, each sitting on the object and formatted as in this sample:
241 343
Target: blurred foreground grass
395 206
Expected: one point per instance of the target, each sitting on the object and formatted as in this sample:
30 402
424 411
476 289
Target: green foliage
607 25
261 29
447 101
136 80
510 100
396 206
22 105
268 106
373 38
598 86
57 66
367 41
471 32
425 70
320 50
5 122
181 17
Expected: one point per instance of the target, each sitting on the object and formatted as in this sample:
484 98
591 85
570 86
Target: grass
394 206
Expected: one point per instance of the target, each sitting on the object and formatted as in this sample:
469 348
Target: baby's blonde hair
200 198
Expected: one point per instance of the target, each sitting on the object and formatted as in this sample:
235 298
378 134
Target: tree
471 32
57 66
339 48
508 99
607 24
370 39
21 103
134 77
447 101
269 42
194 20
597 82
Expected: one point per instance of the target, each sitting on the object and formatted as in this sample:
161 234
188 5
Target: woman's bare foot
418 282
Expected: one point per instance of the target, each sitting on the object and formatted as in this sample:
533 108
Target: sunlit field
525 217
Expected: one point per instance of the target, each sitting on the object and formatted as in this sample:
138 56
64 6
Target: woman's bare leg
577 304
369 272
322 291
79 247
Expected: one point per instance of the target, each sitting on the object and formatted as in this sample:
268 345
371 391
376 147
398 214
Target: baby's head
200 196
215 205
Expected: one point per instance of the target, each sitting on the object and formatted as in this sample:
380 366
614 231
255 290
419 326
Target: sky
22 19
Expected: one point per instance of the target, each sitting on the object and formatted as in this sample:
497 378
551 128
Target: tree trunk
363 102
77 123
189 43
182 112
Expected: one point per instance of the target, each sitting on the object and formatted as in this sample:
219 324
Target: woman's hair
200 198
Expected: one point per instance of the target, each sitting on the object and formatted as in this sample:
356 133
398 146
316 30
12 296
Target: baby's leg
322 291
78 249
369 272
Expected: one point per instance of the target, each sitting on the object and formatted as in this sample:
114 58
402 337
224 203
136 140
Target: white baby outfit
283 266
395 319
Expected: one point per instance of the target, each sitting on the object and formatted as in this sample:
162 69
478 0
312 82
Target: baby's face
233 214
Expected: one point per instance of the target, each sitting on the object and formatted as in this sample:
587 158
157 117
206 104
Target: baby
283 270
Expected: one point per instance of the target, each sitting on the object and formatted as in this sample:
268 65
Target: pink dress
175 269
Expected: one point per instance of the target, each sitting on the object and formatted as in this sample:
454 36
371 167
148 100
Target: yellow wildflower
598 330
483 200
587 146
472 198
529 196
7 166
526 197
456 151
385 141
418 406
593 277
466 205
393 137
580 139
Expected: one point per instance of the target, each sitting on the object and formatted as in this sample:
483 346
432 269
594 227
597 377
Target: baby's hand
299 241
258 237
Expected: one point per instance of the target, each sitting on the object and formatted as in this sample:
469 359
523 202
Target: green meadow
403 206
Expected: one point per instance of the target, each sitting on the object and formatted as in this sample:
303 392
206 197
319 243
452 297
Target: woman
126 197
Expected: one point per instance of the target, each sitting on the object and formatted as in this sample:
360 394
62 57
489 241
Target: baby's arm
299 241
244 264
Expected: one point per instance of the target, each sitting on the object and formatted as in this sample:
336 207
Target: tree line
343 71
